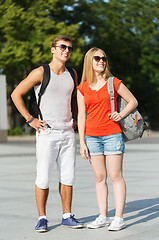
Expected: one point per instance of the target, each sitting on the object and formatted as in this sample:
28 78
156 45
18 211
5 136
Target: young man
55 143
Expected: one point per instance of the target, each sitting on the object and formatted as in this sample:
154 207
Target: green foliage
27 31
128 31
15 132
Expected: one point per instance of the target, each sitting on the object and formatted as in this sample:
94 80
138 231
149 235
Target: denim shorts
105 145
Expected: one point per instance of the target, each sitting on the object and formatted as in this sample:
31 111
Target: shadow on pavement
142 210
88 219
53 227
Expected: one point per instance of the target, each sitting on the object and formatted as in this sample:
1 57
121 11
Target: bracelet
31 120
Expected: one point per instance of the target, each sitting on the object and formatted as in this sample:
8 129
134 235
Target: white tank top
55 103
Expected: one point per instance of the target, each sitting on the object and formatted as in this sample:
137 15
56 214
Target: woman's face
99 61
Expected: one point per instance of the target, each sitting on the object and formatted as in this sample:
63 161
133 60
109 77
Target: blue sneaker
41 225
71 222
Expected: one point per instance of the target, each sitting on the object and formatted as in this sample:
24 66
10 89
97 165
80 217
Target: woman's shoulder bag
133 124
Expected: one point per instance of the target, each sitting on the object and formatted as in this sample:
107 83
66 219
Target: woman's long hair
87 74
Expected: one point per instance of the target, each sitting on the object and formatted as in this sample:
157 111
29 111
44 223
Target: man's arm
34 78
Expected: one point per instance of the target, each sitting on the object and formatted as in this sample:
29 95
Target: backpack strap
71 71
110 87
45 82
74 107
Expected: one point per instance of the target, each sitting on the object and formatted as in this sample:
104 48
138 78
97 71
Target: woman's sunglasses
98 58
63 47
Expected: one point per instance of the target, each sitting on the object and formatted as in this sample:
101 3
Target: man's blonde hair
87 74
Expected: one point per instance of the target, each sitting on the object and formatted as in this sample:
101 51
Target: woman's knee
116 177
101 178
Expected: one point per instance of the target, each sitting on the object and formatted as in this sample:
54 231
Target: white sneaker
117 224
100 221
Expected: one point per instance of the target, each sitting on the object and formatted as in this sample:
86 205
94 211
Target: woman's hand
38 124
84 151
115 116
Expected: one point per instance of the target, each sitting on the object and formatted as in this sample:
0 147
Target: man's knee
42 183
67 181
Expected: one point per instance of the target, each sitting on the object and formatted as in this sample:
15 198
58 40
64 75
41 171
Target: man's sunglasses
63 47
98 58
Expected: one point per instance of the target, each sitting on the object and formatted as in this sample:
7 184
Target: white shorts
55 146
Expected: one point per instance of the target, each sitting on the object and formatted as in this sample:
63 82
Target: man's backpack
34 103
133 124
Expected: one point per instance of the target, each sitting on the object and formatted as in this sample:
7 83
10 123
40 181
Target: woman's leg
99 167
115 165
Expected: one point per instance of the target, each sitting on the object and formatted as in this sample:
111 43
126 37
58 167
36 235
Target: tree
27 29
128 31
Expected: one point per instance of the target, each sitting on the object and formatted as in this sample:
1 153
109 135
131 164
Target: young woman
101 139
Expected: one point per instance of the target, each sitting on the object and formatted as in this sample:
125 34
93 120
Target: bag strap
45 82
71 71
110 87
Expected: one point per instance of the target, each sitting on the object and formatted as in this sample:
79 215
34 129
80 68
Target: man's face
62 51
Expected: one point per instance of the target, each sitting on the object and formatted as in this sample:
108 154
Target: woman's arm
124 92
34 78
81 124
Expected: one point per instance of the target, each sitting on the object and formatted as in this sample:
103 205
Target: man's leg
41 199
66 166
47 148
66 197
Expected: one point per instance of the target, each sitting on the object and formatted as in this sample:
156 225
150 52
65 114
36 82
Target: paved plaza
18 213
